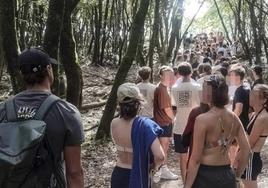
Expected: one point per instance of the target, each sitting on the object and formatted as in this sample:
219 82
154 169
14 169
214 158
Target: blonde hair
263 88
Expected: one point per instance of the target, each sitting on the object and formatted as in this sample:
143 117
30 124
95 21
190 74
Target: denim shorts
167 131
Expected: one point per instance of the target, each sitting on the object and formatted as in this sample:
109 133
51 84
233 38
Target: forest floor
99 156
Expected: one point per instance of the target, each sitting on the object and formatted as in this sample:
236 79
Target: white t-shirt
179 80
200 81
147 90
185 96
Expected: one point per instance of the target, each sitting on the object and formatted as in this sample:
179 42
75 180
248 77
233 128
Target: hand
235 164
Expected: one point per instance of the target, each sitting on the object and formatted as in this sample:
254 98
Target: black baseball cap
34 59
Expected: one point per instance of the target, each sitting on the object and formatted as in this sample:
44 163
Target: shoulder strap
10 110
44 107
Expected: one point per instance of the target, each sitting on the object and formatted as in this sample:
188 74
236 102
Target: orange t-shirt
161 101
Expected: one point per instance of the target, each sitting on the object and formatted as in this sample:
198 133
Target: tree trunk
153 41
9 42
52 36
176 27
98 24
105 32
137 25
2 65
140 56
23 24
68 56
222 22
254 27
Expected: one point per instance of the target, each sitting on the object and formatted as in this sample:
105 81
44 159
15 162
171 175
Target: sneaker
167 174
157 176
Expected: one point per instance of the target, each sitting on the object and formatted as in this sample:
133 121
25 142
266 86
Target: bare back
221 128
121 135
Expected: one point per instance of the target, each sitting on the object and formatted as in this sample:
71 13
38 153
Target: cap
128 90
34 59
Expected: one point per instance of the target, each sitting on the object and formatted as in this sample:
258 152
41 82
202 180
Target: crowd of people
210 106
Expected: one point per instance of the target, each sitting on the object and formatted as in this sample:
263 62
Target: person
241 95
147 89
163 115
207 71
187 136
214 131
135 138
185 96
257 74
64 130
257 131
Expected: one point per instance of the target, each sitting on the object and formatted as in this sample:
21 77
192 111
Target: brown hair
239 71
185 69
219 90
129 109
164 68
144 72
32 78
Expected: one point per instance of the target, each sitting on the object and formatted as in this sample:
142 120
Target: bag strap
10 110
44 107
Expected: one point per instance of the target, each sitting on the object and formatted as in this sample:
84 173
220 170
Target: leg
164 141
250 184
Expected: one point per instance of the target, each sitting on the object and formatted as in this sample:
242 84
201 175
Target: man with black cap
64 131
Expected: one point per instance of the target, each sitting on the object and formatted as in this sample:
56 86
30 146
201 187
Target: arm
238 108
74 170
198 145
244 149
169 113
159 155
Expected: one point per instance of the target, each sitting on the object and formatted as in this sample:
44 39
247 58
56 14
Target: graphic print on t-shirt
26 112
184 99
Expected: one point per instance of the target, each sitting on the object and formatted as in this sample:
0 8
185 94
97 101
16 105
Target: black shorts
120 177
179 148
167 131
254 167
215 177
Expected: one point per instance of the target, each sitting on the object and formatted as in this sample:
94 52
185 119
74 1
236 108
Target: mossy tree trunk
155 37
9 43
136 31
52 36
69 58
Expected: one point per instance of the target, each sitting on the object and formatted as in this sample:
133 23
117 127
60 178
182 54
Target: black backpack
24 148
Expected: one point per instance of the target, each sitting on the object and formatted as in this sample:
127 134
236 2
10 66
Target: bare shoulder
232 116
203 118
262 119
114 122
